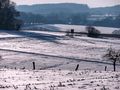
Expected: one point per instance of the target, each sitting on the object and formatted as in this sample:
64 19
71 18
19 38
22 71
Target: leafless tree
113 55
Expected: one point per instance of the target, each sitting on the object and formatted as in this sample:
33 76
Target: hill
114 10
54 8
69 8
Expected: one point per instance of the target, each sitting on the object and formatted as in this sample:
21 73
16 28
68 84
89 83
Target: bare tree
113 55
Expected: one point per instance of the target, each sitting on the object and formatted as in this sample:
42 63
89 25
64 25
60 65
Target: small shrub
116 32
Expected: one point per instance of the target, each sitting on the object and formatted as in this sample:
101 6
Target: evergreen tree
8 16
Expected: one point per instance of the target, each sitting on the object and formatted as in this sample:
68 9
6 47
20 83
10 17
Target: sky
91 3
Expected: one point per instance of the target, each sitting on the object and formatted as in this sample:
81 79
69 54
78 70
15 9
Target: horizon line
65 3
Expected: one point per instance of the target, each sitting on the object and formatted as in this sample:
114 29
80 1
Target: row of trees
55 18
109 22
8 15
11 19
63 18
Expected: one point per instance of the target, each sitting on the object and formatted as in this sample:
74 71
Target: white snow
62 27
56 56
54 50
58 80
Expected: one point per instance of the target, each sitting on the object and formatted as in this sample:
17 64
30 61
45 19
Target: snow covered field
58 80
53 50
56 57
77 28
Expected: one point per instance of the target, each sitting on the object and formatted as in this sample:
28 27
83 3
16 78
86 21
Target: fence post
33 65
72 32
105 68
77 67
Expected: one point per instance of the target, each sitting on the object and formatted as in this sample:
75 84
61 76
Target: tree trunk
114 65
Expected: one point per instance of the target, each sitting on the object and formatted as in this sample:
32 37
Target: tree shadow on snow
44 27
39 36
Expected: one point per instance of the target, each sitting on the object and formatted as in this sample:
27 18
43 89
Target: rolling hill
114 10
69 8
54 8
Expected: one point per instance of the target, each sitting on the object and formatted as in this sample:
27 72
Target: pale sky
91 3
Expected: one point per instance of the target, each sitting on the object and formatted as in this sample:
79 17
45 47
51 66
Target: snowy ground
62 27
54 50
58 80
56 57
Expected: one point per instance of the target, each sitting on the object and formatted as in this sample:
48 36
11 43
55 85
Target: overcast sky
91 3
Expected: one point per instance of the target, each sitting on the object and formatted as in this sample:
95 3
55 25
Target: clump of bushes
116 32
92 32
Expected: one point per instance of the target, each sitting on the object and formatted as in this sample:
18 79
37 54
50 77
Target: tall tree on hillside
8 15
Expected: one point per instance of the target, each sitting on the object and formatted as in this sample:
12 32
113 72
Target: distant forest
74 19
77 14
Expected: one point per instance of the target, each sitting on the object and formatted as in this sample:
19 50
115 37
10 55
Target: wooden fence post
77 67
33 65
105 68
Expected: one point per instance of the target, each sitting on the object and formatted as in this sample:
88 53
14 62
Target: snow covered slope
54 50
56 56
